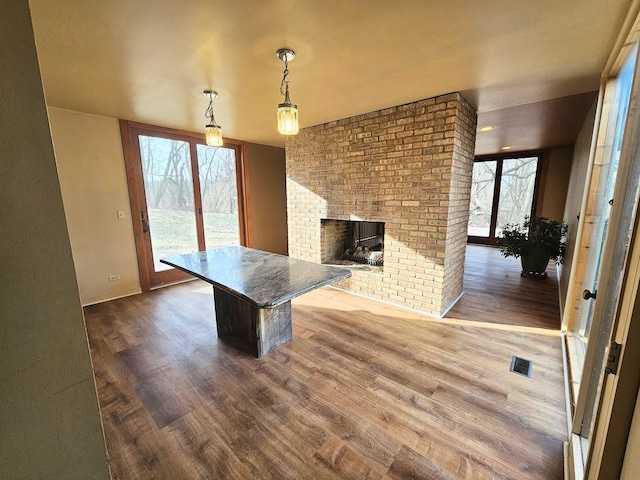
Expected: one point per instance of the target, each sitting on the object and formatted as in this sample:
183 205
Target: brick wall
464 141
408 166
335 236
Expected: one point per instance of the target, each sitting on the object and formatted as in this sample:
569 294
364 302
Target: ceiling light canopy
488 128
212 131
287 113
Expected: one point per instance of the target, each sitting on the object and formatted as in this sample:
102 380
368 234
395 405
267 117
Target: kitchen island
253 289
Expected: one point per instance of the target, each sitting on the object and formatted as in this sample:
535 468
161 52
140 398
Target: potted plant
536 241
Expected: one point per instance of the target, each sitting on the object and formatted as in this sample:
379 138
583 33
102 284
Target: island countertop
263 279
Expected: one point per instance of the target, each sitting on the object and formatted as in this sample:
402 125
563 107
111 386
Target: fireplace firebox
352 241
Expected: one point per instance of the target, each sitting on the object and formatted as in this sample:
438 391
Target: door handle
587 295
145 224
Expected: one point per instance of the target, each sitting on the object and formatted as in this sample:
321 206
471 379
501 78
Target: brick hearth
408 166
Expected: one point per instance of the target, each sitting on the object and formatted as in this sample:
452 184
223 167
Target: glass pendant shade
287 119
213 135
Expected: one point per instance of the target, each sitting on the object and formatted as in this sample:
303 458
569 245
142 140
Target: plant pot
534 262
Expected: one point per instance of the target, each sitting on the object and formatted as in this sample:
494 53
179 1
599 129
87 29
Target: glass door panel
602 268
517 185
168 186
219 191
599 208
481 204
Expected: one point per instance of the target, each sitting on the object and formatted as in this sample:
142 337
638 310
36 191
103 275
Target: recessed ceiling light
488 128
506 147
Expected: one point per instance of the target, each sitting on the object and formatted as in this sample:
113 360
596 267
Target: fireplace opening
352 242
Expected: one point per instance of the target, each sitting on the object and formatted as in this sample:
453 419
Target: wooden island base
257 329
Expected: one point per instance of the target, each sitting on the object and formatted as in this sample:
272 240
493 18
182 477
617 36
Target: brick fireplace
408 167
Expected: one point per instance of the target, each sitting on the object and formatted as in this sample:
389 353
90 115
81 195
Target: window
503 190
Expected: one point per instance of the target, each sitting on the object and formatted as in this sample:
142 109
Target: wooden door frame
619 392
133 167
612 417
499 158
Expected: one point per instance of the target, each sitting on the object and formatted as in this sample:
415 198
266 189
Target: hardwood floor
365 390
495 292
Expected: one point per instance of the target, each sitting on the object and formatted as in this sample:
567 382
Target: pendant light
212 131
287 112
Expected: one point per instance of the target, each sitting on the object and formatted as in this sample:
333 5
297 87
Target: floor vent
521 366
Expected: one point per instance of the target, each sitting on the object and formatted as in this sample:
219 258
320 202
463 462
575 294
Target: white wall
49 419
556 173
94 187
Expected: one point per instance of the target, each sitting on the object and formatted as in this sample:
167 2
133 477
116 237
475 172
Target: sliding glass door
609 216
502 191
168 189
218 178
185 197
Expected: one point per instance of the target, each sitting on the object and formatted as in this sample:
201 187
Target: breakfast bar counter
253 289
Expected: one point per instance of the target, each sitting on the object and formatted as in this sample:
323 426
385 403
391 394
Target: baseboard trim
125 293
421 312
397 305
453 304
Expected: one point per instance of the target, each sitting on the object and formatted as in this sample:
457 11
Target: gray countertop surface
263 279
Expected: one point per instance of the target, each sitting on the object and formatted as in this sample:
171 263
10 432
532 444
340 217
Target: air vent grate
521 366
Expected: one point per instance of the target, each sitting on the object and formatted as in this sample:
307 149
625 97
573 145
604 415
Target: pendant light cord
284 86
209 113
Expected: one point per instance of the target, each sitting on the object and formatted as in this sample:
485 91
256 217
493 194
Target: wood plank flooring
492 282
364 391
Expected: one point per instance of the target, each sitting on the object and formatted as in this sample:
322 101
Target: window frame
539 181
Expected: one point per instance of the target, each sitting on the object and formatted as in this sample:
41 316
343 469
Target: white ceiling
150 60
